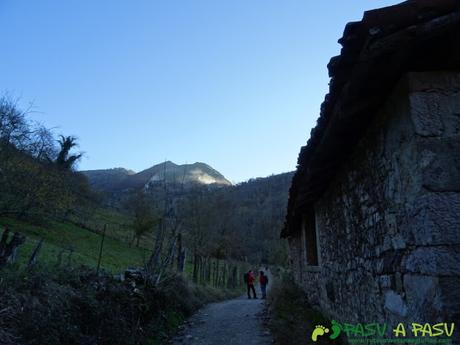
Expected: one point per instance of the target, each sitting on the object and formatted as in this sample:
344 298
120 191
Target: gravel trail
238 321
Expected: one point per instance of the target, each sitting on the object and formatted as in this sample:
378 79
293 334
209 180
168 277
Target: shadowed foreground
235 322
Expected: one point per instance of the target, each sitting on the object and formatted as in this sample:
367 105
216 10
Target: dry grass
292 319
75 306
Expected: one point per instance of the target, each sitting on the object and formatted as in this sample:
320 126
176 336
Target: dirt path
235 322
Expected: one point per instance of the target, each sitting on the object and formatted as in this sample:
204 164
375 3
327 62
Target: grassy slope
57 236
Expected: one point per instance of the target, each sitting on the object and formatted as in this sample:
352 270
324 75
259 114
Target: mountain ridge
114 179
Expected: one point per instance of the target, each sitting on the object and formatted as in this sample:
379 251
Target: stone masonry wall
389 224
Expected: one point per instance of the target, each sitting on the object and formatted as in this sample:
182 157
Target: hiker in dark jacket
250 279
263 281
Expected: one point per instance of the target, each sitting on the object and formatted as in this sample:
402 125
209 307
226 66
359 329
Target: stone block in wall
434 220
435 102
426 112
385 282
391 282
433 261
423 298
450 295
398 241
395 304
440 164
392 261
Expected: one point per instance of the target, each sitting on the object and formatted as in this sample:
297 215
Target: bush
75 306
292 319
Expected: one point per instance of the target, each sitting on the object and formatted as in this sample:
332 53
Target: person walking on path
250 279
263 281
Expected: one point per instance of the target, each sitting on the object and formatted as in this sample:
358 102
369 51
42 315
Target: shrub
292 319
75 306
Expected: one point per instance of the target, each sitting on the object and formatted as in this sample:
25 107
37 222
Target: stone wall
389 224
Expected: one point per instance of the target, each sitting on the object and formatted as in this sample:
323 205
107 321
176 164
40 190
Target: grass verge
292 319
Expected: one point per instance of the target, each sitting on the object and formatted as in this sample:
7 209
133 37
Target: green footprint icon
336 330
318 331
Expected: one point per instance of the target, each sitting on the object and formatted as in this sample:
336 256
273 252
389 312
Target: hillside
105 179
213 221
240 222
253 211
153 208
118 179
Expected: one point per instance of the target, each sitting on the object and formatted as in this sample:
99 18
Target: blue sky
233 83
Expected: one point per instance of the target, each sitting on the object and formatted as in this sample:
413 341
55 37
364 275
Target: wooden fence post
34 256
100 250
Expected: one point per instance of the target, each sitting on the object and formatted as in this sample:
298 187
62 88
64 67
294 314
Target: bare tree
169 230
145 216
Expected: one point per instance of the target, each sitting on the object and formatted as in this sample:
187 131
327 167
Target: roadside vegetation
54 306
292 318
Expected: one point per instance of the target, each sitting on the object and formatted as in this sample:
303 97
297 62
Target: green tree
64 159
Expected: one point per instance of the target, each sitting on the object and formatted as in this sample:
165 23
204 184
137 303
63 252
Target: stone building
373 219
